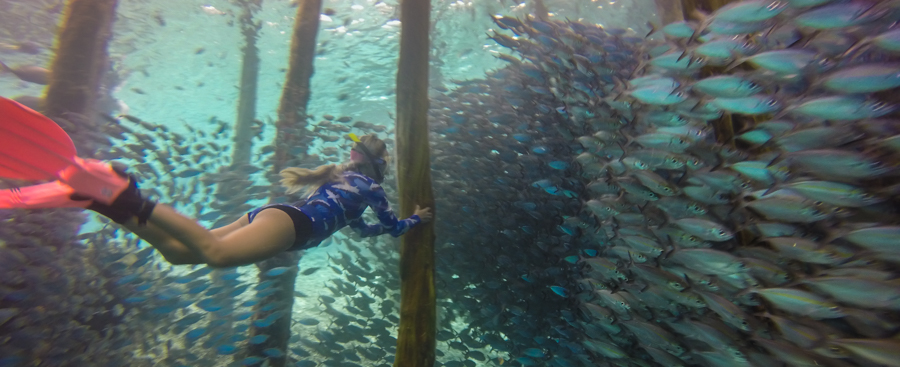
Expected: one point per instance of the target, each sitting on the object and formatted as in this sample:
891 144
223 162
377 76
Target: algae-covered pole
540 10
81 60
295 95
246 112
416 337
291 129
242 144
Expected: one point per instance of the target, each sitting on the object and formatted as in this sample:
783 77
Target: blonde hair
296 178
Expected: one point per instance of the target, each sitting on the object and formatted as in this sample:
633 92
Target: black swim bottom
303 226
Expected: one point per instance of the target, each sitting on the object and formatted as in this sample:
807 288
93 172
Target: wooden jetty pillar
416 336
291 133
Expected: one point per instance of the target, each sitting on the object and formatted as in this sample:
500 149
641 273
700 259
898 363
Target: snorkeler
336 196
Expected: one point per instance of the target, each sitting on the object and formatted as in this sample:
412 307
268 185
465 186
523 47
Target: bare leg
174 251
272 232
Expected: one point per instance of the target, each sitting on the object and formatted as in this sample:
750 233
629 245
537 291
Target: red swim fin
49 195
32 146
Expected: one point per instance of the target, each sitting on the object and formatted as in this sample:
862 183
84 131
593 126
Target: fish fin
704 19
737 62
628 140
778 158
653 29
804 41
856 46
641 65
497 22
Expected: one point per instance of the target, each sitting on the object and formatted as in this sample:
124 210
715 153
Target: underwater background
590 209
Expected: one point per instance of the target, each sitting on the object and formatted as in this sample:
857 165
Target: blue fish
195 334
226 349
214 291
727 86
264 285
540 149
198 289
852 107
263 323
238 291
230 276
866 78
308 322
750 10
839 16
274 272
562 292
753 105
560 165
259 339
209 305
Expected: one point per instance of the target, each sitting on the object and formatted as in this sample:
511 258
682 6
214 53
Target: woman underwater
336 196
36 148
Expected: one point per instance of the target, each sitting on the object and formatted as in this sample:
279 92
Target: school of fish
669 246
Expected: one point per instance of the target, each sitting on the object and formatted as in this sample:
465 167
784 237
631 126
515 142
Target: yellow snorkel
372 160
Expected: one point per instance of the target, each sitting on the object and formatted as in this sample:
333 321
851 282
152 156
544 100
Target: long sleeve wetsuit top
335 205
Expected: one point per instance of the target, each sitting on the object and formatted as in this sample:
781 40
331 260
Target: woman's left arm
377 200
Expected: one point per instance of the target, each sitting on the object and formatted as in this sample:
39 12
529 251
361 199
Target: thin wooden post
81 60
243 144
416 336
291 128
246 113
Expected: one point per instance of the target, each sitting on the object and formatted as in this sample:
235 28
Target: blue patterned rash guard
335 205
